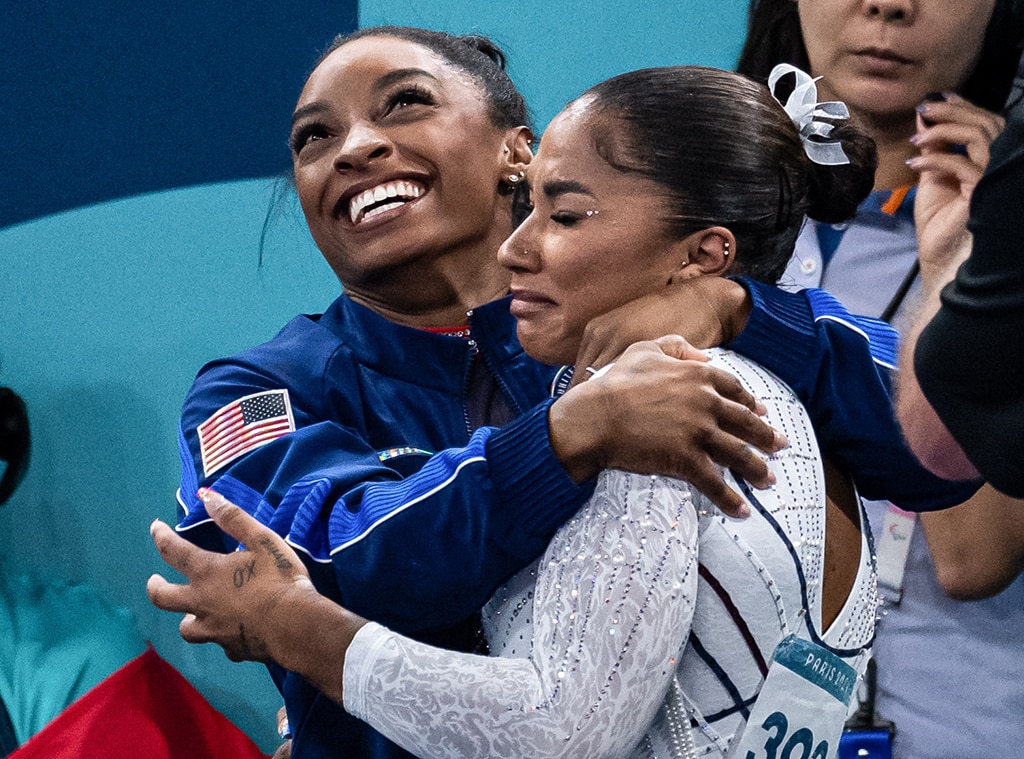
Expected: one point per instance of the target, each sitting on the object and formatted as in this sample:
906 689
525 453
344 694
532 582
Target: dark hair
774 36
729 155
476 55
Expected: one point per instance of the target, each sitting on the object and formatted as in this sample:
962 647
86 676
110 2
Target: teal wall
558 49
106 312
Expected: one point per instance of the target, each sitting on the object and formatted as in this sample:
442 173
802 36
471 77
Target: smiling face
882 57
594 240
397 166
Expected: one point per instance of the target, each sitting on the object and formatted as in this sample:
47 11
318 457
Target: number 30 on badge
802 706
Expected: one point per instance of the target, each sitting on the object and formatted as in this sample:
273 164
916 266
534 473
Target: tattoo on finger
280 560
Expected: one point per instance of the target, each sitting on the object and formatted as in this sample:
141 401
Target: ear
516 154
710 251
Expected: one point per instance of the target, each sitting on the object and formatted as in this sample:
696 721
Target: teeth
381 209
404 190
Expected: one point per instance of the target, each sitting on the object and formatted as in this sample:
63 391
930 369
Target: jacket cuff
528 477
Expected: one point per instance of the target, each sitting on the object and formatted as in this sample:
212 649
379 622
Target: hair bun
487 47
835 192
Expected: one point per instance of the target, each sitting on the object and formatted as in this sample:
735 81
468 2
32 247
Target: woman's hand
258 604
948 177
673 415
706 311
658 412
241 601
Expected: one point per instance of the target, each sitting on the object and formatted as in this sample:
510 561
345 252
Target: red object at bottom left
144 709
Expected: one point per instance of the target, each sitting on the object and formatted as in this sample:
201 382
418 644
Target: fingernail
913 162
780 442
760 408
915 139
202 493
924 108
152 526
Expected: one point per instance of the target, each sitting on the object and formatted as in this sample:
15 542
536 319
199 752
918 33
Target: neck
440 305
892 139
435 292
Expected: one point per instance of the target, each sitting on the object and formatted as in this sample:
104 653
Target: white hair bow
803 108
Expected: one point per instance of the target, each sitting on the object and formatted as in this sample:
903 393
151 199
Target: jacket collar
426 358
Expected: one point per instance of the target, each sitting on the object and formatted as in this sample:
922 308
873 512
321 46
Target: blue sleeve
840 366
417 542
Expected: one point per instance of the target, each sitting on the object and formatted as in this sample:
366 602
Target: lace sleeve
611 612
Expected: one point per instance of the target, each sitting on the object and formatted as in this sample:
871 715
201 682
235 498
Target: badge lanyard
892 549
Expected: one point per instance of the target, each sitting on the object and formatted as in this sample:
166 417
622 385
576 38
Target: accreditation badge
802 707
891 551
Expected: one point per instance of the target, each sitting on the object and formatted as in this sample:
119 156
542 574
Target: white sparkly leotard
650 612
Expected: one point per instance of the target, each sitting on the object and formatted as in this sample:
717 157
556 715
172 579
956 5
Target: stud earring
726 254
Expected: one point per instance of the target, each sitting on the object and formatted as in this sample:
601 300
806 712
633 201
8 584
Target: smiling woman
398 177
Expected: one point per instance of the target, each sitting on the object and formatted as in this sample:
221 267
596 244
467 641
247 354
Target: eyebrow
308 110
564 187
382 83
386 80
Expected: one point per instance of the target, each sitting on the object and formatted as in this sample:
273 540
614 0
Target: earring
726 254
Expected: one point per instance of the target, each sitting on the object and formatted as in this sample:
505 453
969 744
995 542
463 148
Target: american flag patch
242 426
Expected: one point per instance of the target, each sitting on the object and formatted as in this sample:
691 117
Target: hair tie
806 113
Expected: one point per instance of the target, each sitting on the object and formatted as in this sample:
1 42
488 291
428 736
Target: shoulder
302 349
755 377
298 359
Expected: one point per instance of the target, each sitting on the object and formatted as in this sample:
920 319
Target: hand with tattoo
258 604
234 599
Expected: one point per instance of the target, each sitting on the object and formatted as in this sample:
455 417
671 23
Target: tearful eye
565 219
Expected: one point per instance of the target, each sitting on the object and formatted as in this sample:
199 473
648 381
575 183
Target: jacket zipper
467 372
499 380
